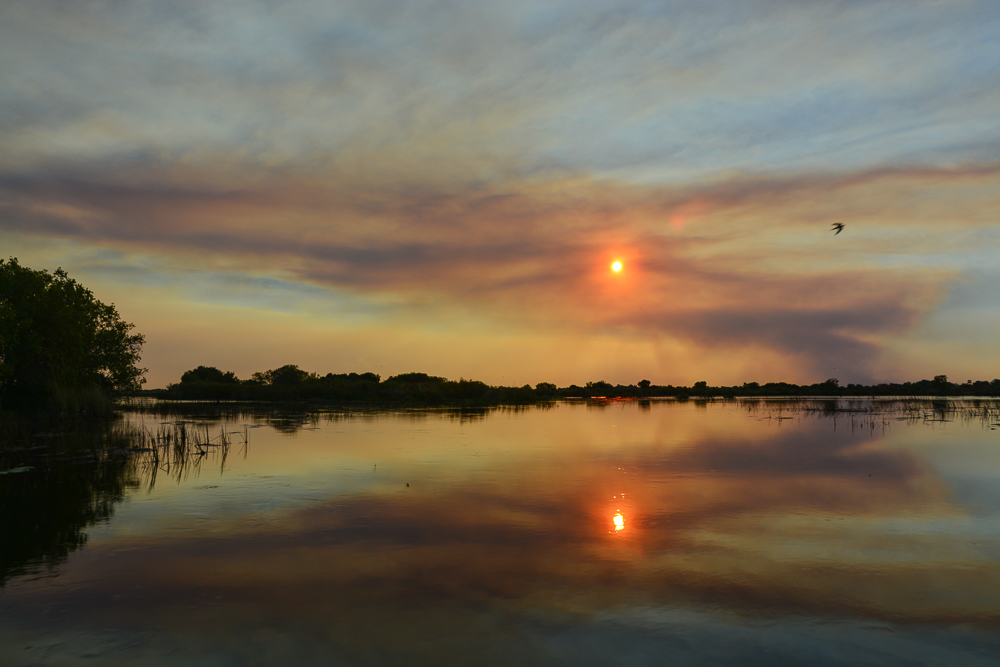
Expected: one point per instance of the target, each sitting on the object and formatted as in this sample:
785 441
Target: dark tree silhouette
209 374
287 375
415 378
56 337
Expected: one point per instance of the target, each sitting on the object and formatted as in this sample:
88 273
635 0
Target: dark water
620 533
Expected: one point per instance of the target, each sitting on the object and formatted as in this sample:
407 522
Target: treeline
290 383
939 386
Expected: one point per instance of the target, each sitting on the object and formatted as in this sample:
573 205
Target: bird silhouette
839 226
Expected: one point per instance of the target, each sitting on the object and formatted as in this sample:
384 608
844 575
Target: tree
209 374
546 388
353 377
415 378
600 385
55 336
287 375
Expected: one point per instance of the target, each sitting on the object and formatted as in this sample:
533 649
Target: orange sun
616 266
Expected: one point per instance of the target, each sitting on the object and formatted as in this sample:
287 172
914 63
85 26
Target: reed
179 449
879 412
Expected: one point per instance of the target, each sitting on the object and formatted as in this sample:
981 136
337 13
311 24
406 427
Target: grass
184 443
136 453
180 448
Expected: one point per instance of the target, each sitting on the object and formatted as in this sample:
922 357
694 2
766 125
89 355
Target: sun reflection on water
619 521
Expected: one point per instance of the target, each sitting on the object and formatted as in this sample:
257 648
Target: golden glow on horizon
467 240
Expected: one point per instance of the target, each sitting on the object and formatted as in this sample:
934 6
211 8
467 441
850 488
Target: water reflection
53 486
398 533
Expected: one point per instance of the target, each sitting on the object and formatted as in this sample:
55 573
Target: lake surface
618 533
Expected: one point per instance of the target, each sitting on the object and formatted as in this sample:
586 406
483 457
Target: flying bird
839 226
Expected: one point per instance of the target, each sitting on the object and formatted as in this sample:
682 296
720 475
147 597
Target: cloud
538 252
472 91
495 158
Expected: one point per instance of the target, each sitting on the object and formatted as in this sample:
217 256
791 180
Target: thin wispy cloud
492 160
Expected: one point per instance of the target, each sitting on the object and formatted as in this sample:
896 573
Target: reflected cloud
390 533
779 521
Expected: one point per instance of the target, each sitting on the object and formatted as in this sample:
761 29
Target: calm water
618 534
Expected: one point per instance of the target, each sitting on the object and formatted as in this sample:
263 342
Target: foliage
209 374
352 377
287 375
290 383
599 388
56 338
414 378
546 389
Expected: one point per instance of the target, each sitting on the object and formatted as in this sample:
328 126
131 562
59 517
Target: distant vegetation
61 350
290 383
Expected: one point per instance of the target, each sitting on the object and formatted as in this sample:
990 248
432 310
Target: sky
442 187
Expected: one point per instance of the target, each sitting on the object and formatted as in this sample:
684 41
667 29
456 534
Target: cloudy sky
438 186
